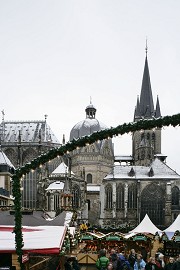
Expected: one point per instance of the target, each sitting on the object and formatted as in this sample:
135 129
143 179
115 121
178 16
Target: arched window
120 197
89 205
109 197
89 178
175 196
76 197
56 201
153 204
153 136
132 196
148 136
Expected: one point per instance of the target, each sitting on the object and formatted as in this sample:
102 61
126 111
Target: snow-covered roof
146 226
40 239
93 188
86 127
5 160
30 131
61 170
57 185
175 226
160 170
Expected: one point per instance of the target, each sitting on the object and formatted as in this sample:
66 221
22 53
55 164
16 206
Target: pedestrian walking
103 261
170 264
139 263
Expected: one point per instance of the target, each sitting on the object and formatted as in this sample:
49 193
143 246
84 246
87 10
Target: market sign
86 237
113 238
139 238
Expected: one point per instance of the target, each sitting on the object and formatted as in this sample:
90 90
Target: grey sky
55 54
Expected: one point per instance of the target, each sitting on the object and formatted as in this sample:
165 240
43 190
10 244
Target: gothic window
12 155
148 136
89 205
76 197
153 204
143 154
56 201
142 136
28 155
89 178
132 196
175 196
153 136
120 197
108 197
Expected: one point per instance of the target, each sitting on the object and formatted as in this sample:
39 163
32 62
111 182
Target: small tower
66 196
146 143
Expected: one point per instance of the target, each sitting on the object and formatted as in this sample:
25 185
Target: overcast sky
55 55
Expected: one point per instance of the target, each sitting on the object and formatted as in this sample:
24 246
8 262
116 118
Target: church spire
146 98
157 111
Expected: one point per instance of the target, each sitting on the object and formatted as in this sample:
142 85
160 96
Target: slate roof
30 131
37 218
159 168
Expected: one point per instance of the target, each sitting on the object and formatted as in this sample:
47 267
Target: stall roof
146 226
175 226
40 239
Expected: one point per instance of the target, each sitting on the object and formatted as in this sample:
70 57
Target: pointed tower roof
158 111
146 98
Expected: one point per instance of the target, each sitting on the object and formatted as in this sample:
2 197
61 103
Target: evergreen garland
144 124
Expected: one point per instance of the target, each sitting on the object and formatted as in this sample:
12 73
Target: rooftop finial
3 114
45 116
146 49
90 100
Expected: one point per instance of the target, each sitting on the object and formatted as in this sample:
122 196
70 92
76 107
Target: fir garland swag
145 124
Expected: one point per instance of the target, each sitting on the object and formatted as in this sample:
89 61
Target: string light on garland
131 127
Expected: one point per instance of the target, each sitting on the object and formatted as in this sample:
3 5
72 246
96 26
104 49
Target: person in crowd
157 260
161 260
139 263
123 263
151 265
170 264
132 258
110 266
144 253
67 265
176 265
113 258
75 264
103 261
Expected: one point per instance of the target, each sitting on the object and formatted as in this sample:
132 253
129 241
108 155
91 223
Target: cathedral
102 188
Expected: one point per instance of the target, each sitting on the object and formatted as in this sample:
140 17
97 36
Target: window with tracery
120 197
76 197
108 192
175 196
153 203
56 201
89 178
132 196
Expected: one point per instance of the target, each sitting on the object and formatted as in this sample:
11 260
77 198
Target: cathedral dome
87 126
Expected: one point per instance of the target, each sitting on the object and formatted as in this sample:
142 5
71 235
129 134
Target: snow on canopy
146 226
39 239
